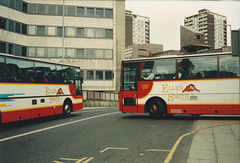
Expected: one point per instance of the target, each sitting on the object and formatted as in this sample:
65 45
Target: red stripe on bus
229 109
23 114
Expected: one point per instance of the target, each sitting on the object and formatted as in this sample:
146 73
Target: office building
89 34
142 50
192 40
137 29
213 25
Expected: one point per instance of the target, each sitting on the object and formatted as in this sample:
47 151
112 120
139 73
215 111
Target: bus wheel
155 109
67 108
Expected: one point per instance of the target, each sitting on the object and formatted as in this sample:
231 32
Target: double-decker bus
33 88
187 84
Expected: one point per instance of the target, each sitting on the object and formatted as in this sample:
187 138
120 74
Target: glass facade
38 31
45 9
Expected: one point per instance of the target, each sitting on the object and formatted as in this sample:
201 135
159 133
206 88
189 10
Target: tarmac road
98 135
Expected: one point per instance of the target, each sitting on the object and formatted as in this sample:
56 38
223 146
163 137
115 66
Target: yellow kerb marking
169 157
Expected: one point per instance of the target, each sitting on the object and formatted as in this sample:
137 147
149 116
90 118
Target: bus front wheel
155 108
67 109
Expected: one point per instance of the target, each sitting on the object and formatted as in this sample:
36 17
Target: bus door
129 88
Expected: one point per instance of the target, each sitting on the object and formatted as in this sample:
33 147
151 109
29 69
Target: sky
166 17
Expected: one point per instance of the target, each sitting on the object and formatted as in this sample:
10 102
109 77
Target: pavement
216 141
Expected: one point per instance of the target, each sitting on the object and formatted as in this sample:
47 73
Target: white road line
52 127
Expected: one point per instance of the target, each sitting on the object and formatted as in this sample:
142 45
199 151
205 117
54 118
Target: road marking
70 159
82 160
88 160
158 150
113 148
56 126
169 157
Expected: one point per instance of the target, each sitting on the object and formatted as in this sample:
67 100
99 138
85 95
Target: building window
108 54
99 33
10 49
108 33
99 54
89 53
89 32
18 50
32 9
59 31
99 75
60 10
11 26
31 52
2 47
198 37
51 52
108 13
80 53
52 10
70 32
70 53
24 7
24 29
80 32
90 12
17 27
32 30
90 75
108 75
18 5
80 11
41 30
99 13
70 11
41 9
51 31
40 52
24 51
2 23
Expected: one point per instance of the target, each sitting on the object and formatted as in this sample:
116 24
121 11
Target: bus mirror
81 79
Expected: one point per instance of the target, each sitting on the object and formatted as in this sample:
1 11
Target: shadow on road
35 121
185 117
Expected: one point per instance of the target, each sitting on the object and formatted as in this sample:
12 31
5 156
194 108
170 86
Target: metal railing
105 96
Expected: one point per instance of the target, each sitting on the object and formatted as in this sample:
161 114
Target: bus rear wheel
67 109
155 108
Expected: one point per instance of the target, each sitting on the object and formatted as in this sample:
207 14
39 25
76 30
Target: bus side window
2 70
26 71
12 70
197 68
59 74
68 75
229 66
45 73
185 69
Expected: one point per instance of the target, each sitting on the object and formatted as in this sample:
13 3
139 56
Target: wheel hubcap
153 109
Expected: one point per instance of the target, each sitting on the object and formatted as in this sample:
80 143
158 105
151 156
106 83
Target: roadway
98 135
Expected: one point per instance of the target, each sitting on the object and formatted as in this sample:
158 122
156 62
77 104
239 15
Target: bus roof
35 60
174 56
